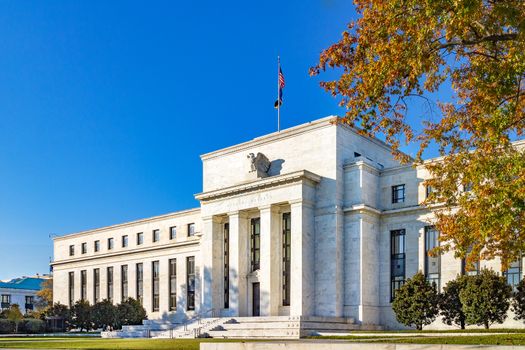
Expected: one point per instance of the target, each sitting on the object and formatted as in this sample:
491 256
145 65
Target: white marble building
315 220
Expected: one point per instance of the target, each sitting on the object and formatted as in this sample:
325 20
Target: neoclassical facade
315 220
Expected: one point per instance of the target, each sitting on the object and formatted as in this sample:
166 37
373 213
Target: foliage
104 314
6 326
518 301
15 315
450 304
130 312
485 298
416 302
33 326
81 317
44 297
400 52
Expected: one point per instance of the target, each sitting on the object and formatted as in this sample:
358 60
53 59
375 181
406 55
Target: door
256 302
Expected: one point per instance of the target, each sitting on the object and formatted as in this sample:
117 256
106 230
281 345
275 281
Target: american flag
281 83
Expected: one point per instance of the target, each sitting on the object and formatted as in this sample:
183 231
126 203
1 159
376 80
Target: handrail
198 317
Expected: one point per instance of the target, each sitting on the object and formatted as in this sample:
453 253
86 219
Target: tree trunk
419 327
462 324
486 324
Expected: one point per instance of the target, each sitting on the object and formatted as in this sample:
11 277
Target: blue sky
105 106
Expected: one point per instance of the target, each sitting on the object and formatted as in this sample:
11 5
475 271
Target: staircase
271 327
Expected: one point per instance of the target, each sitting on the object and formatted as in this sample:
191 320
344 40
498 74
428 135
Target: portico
261 245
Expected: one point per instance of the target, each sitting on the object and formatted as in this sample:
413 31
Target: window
173 284
287 254
110 243
83 285
124 241
29 302
429 191
155 285
71 250
191 230
71 287
398 193
6 301
140 238
140 282
255 244
397 259
96 246
110 284
124 282
226 270
96 285
474 270
190 282
513 274
173 232
84 248
432 263
467 187
156 235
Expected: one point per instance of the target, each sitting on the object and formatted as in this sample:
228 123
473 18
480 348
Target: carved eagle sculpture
259 163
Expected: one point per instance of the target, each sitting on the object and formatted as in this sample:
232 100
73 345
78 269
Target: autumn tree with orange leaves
401 50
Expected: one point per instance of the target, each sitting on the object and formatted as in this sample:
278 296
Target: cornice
256 185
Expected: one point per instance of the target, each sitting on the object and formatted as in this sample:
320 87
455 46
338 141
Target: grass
103 344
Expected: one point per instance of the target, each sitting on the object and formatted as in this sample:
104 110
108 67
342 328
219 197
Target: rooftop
27 283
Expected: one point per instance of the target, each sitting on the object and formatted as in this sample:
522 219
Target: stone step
261 325
255 333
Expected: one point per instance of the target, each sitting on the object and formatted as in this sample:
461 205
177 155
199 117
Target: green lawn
102 344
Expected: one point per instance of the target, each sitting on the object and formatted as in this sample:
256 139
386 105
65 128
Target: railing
196 318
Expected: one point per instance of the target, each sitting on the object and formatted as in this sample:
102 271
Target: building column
270 262
239 264
302 274
211 265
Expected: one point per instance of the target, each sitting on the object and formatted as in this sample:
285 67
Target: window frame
397 254
398 193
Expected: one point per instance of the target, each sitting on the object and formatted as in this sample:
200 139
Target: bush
450 303
6 326
81 315
104 314
416 302
130 312
518 301
33 326
485 299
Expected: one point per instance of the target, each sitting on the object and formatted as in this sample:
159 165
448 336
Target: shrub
33 326
81 315
485 299
104 314
130 312
6 326
416 302
518 301
14 315
450 303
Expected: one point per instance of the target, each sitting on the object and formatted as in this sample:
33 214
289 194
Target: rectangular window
428 190
287 257
71 250
140 238
29 302
124 241
173 284
432 263
96 247
190 282
397 259
96 285
84 248
6 301
173 232
83 285
474 270
398 193
110 243
191 230
156 235
255 244
513 274
110 284
226 270
71 287
124 281
140 282
155 285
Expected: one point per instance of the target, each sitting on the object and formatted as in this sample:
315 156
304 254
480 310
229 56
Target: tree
402 52
104 314
416 302
14 315
450 304
485 298
130 312
518 301
58 317
44 297
81 317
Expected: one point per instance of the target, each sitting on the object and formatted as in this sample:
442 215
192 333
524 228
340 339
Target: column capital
301 203
239 213
269 207
214 218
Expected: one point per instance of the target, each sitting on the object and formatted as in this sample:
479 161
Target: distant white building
313 222
22 291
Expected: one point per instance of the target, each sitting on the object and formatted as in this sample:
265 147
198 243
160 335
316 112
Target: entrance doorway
256 301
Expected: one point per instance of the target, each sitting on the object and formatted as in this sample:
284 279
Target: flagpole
278 97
